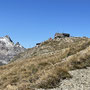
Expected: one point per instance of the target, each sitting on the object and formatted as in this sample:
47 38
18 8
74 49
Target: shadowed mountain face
8 49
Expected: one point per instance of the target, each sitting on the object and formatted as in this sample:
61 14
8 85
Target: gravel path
80 81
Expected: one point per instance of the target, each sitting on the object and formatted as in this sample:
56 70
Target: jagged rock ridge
8 49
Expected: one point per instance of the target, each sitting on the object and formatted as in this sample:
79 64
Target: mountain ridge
8 49
47 64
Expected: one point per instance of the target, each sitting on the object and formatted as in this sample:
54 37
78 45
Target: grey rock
8 49
80 81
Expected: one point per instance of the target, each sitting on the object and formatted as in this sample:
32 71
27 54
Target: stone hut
61 35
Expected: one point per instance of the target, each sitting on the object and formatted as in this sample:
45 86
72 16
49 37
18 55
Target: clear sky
33 21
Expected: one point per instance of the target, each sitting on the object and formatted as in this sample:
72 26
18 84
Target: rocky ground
80 81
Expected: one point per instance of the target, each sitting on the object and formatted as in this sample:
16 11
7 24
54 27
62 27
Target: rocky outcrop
80 81
61 35
8 49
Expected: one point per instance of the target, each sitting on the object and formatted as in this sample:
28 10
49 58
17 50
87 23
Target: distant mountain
8 49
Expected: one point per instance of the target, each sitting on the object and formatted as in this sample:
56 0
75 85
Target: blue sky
33 21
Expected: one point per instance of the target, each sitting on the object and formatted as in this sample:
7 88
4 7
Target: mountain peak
8 49
17 44
8 37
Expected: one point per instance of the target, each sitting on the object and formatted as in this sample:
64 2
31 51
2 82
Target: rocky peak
18 45
8 38
8 49
6 41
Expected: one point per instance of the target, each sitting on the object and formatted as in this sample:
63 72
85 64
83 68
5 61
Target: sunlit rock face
8 49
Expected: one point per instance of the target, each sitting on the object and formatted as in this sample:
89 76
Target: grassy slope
46 65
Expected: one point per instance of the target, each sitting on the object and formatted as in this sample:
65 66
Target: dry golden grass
52 77
46 70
